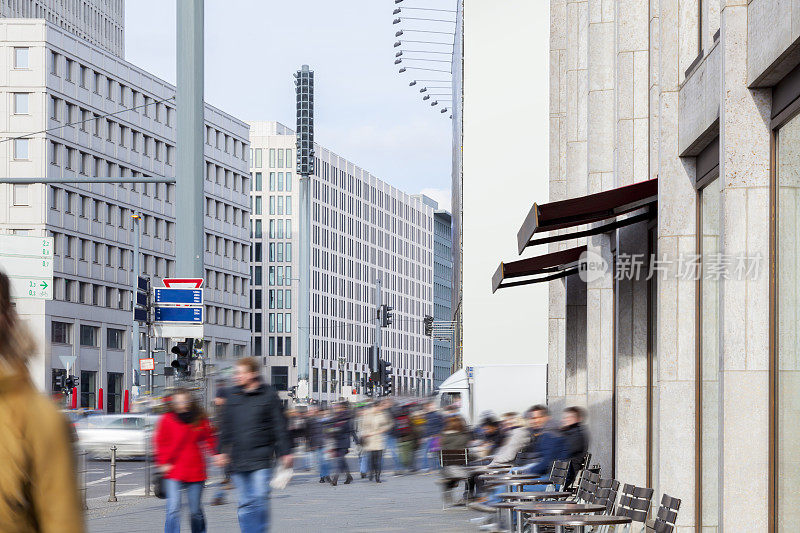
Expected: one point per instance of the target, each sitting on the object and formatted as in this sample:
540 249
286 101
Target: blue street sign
178 296
179 314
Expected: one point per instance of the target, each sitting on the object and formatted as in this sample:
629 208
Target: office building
444 331
362 229
675 136
100 22
67 97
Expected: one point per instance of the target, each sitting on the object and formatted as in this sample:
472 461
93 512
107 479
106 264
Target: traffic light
71 383
60 384
428 325
182 351
386 316
387 377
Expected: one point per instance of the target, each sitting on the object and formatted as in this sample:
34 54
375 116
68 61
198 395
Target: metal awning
537 269
585 210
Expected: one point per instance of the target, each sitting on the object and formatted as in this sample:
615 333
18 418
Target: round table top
508 482
579 520
504 505
510 476
558 508
532 495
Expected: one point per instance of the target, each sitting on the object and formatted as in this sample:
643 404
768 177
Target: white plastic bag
281 477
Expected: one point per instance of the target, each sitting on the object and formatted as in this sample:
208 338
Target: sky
365 110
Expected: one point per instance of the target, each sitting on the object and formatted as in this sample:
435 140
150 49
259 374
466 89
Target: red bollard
100 398
125 408
74 397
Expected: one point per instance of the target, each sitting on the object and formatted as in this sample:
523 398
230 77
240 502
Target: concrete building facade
362 228
62 103
682 118
100 22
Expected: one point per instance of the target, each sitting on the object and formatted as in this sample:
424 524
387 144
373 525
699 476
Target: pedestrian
576 440
219 403
38 481
341 434
432 428
252 434
182 439
375 424
316 441
405 432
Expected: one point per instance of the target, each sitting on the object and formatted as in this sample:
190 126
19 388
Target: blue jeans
254 491
194 493
363 462
429 462
322 462
391 447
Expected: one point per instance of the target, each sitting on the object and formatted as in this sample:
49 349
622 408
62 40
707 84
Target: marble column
744 169
575 343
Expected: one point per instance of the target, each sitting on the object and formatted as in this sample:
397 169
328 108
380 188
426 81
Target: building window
54 59
289 183
88 388
280 378
786 326
258 161
59 333
114 392
221 350
21 195
114 338
272 158
88 336
271 346
21 58
21 103
288 158
272 182
258 181
21 149
315 380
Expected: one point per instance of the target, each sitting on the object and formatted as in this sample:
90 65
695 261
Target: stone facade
643 90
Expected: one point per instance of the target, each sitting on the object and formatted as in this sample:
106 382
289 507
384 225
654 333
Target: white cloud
442 196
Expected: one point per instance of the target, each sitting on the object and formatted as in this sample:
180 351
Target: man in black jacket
575 439
252 433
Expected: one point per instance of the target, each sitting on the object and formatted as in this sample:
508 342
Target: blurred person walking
375 424
430 442
253 432
315 433
341 434
182 439
219 404
406 433
38 479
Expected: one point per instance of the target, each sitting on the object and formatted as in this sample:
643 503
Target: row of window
278 157
61 333
101 127
226 212
278 228
228 178
278 182
69 290
278 205
277 322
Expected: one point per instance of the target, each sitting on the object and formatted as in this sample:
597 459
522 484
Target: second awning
538 269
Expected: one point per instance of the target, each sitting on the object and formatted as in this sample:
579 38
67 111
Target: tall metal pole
137 235
304 285
190 163
304 88
377 343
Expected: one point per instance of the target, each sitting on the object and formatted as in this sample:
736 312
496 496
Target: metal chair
666 517
453 463
606 494
634 503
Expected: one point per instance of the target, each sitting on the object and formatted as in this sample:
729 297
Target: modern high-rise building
444 334
100 22
64 115
363 229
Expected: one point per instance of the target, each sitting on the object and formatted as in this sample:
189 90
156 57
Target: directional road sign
178 296
179 314
28 262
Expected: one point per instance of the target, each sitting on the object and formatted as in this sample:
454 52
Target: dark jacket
434 423
576 443
549 447
342 432
253 429
315 433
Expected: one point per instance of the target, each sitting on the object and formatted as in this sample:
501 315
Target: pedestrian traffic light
386 316
182 351
387 378
428 325
60 383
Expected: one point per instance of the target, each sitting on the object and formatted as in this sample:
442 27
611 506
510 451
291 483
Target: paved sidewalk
404 503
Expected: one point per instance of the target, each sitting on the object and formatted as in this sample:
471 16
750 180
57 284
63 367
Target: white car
96 434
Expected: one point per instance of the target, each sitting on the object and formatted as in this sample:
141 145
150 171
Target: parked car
97 433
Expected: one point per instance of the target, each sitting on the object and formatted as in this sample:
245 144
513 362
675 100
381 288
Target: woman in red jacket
183 437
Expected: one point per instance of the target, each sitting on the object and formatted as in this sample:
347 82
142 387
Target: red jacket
180 445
